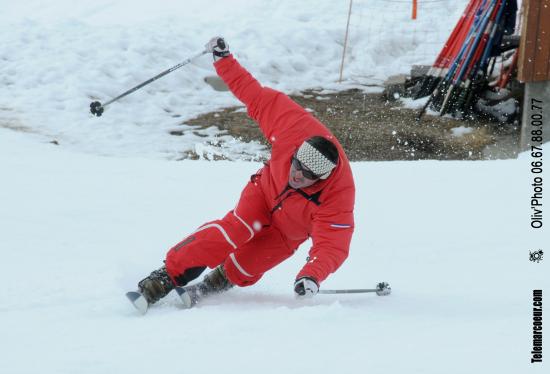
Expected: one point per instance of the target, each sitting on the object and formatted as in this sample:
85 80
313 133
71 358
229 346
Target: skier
305 190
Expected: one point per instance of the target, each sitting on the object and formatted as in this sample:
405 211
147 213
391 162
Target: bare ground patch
371 128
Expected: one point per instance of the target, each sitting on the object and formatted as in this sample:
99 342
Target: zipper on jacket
283 191
280 203
314 198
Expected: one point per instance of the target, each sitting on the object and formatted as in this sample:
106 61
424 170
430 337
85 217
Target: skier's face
300 176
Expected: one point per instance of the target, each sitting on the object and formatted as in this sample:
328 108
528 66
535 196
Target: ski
190 295
138 301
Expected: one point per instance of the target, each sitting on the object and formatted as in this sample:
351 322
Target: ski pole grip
221 43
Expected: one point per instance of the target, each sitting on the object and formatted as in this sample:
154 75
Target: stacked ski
460 72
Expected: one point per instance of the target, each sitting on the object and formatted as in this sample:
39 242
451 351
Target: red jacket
323 211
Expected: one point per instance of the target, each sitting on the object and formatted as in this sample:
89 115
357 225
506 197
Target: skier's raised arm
274 111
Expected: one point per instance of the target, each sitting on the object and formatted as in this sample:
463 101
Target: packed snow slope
83 221
79 230
60 55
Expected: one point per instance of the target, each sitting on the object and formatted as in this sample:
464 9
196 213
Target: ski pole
97 108
382 289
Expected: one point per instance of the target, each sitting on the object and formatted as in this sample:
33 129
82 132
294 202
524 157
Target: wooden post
415 6
534 70
345 43
534 49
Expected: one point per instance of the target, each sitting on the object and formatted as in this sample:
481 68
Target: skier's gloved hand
218 47
305 287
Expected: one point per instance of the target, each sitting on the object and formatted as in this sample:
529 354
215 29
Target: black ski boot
213 282
156 285
216 281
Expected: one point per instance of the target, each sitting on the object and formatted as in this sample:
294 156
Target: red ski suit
272 219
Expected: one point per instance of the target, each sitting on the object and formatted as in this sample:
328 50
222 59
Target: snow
452 239
461 130
63 54
83 221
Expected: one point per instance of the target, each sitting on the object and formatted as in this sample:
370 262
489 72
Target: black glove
218 47
305 287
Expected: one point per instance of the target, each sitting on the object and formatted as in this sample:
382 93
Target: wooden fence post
345 43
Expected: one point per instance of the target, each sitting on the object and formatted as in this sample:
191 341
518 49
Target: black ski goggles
308 174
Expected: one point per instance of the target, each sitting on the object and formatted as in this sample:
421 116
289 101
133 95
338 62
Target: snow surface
81 222
78 230
58 56
461 130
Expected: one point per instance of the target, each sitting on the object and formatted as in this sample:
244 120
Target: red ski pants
243 240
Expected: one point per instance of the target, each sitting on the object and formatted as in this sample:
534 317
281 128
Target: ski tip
138 301
185 297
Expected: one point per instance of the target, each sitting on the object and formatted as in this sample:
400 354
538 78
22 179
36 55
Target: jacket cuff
224 62
310 273
308 277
